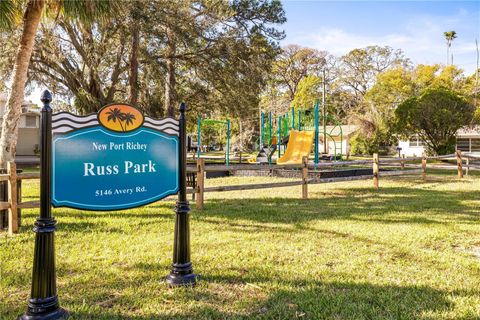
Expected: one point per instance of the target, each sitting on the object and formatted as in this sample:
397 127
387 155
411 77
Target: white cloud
421 39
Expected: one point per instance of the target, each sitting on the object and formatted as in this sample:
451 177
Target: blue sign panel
95 168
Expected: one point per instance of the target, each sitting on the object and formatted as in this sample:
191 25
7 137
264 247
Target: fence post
19 200
305 178
12 198
402 162
459 164
468 166
424 167
200 183
375 167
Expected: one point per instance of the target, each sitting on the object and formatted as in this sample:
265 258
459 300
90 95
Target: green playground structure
210 122
301 119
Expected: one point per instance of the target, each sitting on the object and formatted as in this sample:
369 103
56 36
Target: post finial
183 107
46 97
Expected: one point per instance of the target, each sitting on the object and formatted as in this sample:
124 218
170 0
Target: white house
338 138
29 127
468 140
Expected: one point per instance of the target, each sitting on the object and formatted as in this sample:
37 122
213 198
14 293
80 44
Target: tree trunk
170 80
448 53
133 75
13 109
241 134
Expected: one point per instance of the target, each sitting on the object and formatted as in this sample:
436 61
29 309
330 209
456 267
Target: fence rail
200 169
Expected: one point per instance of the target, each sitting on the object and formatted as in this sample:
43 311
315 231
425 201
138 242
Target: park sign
114 159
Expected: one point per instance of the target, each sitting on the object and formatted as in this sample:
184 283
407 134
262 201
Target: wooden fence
13 204
375 162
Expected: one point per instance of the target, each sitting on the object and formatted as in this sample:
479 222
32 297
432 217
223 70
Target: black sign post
43 303
182 271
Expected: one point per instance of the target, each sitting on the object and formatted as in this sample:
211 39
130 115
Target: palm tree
449 36
129 118
32 10
114 115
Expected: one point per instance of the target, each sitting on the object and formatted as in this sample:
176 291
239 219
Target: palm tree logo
124 118
129 118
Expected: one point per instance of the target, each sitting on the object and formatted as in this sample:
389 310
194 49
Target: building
468 140
29 127
338 138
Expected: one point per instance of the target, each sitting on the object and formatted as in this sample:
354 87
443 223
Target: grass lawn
410 250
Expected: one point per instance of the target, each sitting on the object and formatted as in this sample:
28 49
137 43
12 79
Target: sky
416 27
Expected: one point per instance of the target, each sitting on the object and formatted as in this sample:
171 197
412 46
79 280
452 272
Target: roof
469 131
346 130
28 107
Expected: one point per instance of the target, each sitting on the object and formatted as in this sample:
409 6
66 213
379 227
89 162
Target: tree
391 88
376 119
135 12
449 36
88 61
360 67
435 115
33 9
216 48
308 91
294 64
216 56
11 116
377 116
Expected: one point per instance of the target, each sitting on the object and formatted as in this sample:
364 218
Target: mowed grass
410 250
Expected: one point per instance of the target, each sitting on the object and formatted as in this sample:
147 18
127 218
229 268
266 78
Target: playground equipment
322 125
299 146
269 143
210 122
266 153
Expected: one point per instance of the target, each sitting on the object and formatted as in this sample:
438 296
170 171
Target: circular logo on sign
120 117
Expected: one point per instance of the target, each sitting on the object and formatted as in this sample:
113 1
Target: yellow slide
299 146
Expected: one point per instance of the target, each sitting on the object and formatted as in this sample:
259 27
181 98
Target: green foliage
294 65
360 67
221 54
378 139
376 115
358 145
391 88
309 90
9 43
10 13
214 132
86 11
435 115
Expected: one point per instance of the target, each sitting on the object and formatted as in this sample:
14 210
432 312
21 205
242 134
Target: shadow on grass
79 220
262 297
422 206
311 299
112 295
304 300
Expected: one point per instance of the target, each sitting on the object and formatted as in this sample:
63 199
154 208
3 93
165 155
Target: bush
435 115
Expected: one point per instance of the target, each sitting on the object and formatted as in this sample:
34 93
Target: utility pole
476 73
324 116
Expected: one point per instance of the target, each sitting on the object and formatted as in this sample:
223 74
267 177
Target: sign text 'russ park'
116 159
